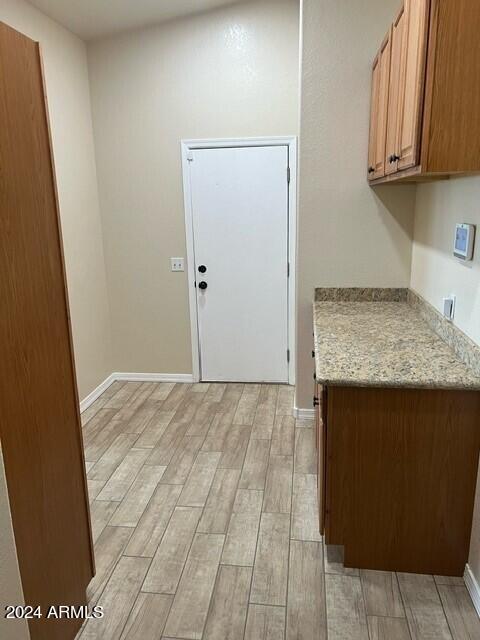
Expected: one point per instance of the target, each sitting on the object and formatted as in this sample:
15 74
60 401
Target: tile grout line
322 543
325 587
224 535
259 518
410 632
210 604
259 521
443 608
365 602
287 599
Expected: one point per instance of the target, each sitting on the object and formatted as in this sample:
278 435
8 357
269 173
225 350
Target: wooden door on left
39 415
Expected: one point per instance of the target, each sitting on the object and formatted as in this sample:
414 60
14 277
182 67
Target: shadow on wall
396 212
399 208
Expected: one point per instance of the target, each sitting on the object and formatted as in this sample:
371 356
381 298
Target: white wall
231 72
349 234
10 583
436 273
66 77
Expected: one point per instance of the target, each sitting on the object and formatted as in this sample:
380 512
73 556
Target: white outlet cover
449 307
177 264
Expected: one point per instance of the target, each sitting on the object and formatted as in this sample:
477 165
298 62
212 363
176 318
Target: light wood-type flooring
204 518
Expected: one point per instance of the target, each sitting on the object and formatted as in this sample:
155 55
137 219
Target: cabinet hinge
288 355
288 269
288 175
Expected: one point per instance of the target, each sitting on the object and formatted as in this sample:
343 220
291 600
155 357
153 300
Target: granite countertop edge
431 362
396 384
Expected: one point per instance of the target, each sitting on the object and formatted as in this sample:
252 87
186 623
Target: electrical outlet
449 307
177 264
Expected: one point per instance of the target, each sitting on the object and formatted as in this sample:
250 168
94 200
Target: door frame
187 146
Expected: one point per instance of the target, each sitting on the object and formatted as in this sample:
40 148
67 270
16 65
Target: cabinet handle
315 401
395 157
371 170
313 354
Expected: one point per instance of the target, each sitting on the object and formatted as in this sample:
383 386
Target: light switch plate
177 264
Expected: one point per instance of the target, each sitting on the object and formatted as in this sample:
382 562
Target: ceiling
91 19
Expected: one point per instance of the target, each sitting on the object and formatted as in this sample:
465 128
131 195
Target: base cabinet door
320 426
401 463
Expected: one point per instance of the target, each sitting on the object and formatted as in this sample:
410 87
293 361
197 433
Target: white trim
473 588
132 377
305 414
96 393
154 377
192 297
275 141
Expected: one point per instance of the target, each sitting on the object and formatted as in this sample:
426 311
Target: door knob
202 268
202 285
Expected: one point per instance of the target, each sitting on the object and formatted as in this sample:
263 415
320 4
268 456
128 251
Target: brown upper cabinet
424 121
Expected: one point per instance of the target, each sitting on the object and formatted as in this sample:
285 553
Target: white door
240 225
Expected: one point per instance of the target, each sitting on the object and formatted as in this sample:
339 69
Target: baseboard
154 377
132 377
473 588
306 414
96 393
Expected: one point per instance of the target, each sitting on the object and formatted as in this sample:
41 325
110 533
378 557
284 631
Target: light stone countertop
386 344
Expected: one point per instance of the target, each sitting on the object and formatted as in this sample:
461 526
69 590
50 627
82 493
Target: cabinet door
382 105
373 116
394 110
39 413
320 417
412 81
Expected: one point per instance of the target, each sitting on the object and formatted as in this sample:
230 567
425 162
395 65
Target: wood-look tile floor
204 518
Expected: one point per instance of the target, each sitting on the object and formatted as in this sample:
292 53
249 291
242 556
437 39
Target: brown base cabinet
425 101
397 474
